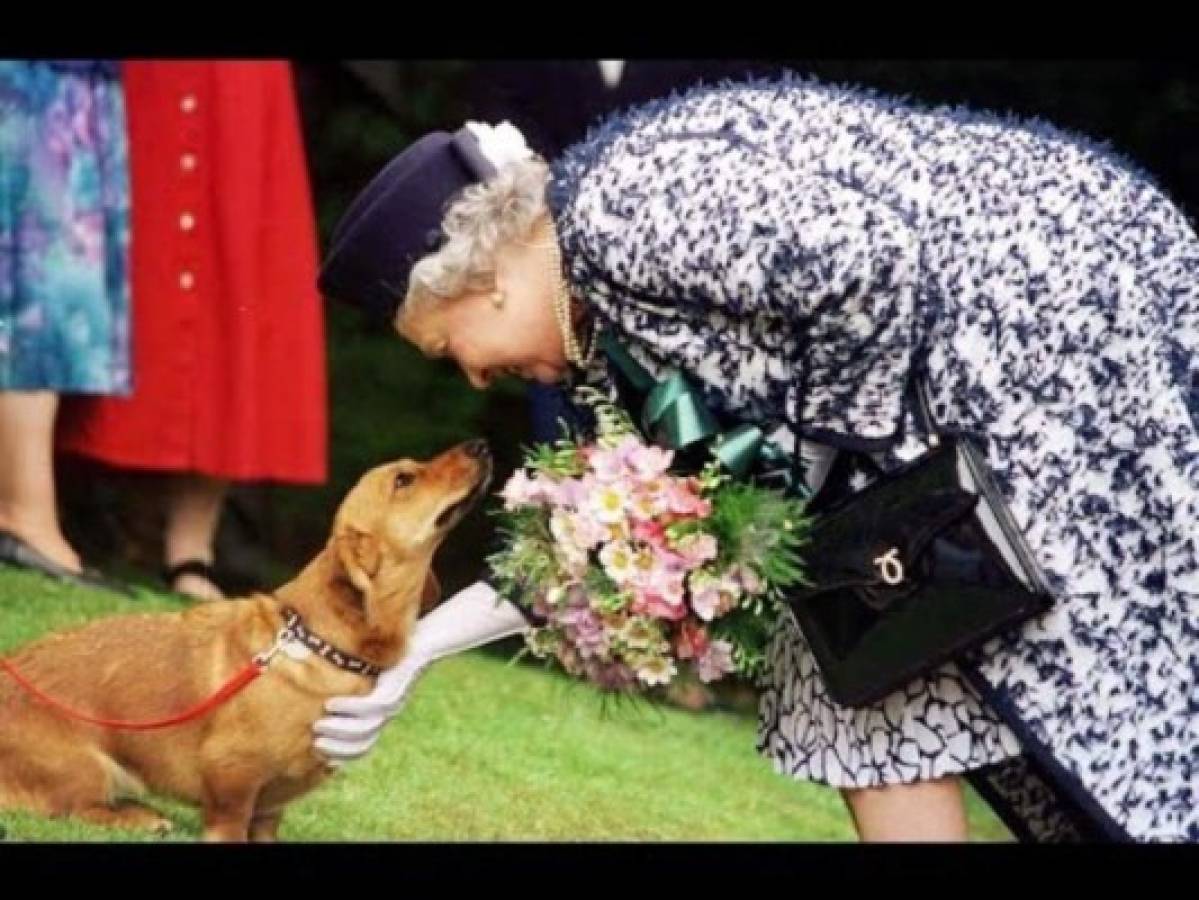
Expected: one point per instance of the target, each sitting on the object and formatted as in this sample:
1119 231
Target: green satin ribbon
673 415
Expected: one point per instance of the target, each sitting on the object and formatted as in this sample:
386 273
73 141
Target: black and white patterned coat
1049 291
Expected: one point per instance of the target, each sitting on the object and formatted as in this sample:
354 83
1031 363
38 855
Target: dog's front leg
228 804
264 826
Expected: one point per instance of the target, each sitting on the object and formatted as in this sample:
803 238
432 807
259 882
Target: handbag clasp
890 568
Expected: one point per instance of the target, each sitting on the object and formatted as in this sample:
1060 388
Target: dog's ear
431 594
359 555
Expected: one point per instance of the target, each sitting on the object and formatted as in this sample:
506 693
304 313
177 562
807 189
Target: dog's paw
148 820
162 827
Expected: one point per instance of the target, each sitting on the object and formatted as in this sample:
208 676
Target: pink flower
648 462
692 641
705 594
627 446
750 580
697 549
706 603
681 499
606 465
521 490
670 584
585 631
572 492
650 532
669 561
647 504
715 662
648 603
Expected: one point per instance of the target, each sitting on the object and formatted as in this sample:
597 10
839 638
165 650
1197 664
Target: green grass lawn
486 750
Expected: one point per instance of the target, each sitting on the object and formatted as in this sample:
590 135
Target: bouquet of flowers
636 570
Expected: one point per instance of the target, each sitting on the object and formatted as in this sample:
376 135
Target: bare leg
194 504
28 504
923 811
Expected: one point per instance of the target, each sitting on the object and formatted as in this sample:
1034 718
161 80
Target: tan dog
243 762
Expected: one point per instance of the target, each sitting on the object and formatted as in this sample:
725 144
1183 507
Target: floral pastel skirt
64 229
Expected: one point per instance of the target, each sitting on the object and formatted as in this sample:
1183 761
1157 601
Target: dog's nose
477 448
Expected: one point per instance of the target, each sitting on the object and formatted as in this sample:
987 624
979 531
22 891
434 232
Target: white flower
607 503
618 561
563 530
639 633
500 144
656 670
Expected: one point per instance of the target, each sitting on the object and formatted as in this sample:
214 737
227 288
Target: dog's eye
403 479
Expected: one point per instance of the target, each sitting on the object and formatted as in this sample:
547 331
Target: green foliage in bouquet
765 530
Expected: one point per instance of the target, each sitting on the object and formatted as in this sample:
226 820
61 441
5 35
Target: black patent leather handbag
917 568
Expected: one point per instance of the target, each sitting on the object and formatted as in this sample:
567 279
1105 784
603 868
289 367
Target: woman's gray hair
479 221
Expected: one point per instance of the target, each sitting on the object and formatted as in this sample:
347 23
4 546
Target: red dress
228 328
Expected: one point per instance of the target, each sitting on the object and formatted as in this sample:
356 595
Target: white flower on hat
500 144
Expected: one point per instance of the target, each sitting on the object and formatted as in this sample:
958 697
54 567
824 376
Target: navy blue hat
396 220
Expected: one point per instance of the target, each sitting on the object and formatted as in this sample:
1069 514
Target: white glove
472 617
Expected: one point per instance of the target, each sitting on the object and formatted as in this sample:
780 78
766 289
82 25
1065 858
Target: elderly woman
1043 289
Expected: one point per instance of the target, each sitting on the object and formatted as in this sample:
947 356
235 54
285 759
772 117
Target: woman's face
520 337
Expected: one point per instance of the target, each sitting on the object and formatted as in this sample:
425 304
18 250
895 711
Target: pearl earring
497 299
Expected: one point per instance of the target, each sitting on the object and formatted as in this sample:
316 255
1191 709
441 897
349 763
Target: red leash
252 670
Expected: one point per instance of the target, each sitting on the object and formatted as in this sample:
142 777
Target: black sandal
191 567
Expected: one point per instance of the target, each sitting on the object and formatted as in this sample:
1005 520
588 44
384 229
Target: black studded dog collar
296 630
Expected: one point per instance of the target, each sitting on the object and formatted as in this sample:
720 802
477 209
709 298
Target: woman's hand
472 617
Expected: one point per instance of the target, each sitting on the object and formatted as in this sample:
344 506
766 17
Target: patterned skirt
64 229
932 727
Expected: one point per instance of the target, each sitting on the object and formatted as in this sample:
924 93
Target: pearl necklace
570 342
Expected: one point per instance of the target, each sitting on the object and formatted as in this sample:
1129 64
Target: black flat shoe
16 551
